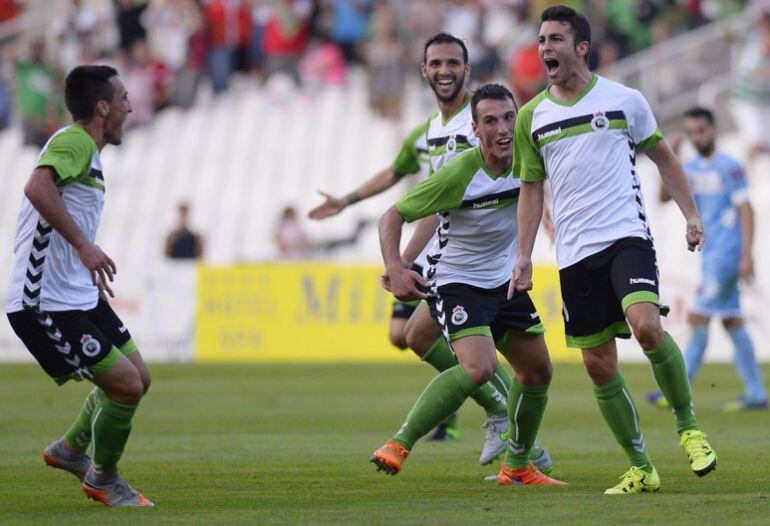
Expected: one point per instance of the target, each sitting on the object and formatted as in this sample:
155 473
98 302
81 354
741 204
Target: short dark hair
490 91
699 112
577 21
85 86
444 38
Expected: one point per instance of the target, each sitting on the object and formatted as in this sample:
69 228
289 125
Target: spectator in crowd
37 96
128 16
322 66
287 36
228 24
182 242
290 237
385 63
350 19
750 96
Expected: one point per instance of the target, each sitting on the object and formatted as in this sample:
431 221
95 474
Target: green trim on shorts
471 331
619 329
97 369
502 342
414 303
128 348
640 296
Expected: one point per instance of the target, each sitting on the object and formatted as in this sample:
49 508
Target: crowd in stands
166 49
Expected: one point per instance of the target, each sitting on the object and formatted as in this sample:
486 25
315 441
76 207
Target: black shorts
464 310
73 344
597 290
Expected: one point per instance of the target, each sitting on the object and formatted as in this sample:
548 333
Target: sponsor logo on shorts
459 316
533 315
636 281
90 345
123 329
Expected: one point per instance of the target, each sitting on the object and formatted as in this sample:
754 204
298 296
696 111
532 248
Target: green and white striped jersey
447 140
477 237
587 149
47 273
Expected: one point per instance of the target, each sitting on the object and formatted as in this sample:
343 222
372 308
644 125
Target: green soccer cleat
703 459
60 456
636 480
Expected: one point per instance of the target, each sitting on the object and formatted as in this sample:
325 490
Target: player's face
445 70
495 122
119 108
558 52
701 133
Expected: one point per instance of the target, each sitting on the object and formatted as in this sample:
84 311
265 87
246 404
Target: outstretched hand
330 207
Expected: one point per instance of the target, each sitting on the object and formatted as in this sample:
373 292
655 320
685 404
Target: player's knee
649 333
416 340
732 323
128 390
537 375
599 369
480 373
146 378
398 338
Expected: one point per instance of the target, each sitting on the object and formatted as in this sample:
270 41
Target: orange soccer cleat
528 475
390 457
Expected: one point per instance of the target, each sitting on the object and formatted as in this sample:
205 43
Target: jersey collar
576 99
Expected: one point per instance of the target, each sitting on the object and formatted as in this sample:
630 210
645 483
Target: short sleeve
527 163
407 161
736 183
641 122
441 192
69 154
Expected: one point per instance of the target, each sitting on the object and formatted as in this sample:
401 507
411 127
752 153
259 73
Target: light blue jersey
719 186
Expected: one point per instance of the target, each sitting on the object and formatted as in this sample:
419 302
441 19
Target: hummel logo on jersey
636 281
459 316
486 203
544 135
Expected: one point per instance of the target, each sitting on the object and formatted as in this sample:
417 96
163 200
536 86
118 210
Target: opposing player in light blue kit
719 185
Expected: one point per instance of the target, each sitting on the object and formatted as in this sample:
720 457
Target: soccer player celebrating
55 301
582 133
719 185
476 195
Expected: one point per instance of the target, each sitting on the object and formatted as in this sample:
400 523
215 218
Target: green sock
111 425
526 406
488 396
671 374
78 436
440 355
502 380
443 396
619 411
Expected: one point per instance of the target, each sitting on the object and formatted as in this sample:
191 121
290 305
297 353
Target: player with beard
56 299
722 195
582 133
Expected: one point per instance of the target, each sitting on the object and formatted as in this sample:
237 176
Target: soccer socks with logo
502 380
747 366
111 425
78 436
669 370
696 348
526 406
619 411
488 396
443 396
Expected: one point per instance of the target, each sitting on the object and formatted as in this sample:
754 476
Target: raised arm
377 184
675 182
529 215
44 196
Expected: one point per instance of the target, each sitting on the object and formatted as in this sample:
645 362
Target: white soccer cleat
494 443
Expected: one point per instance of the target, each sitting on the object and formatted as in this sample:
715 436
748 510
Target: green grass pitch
277 444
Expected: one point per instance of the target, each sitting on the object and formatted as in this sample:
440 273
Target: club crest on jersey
600 122
90 345
459 316
451 144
